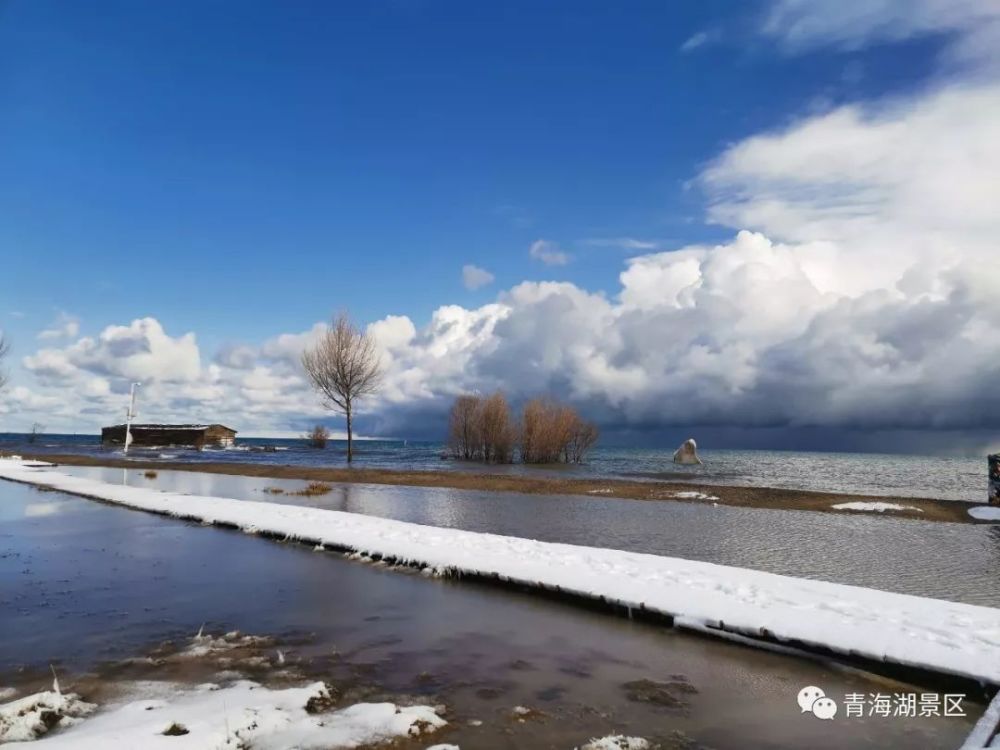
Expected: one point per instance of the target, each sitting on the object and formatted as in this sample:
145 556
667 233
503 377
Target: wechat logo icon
813 700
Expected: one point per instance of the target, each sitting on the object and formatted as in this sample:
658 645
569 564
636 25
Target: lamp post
129 415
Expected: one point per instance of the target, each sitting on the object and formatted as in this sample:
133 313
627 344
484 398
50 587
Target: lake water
947 478
942 560
82 583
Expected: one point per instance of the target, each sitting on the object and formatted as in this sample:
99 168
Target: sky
764 224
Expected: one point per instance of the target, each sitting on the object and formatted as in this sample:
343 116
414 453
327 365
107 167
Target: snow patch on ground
875 507
242 715
7 693
985 513
943 636
32 716
26 462
208 645
694 496
617 742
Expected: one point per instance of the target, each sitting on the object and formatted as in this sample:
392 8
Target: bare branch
343 366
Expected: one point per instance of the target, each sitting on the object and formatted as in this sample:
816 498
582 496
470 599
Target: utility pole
994 464
129 416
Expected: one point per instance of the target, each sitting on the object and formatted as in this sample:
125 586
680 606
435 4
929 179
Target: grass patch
273 491
314 488
150 474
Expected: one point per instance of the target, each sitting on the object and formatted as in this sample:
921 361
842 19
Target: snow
987 726
30 717
876 507
985 513
617 742
694 496
244 714
952 638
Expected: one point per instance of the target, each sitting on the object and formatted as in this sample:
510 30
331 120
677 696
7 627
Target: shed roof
172 426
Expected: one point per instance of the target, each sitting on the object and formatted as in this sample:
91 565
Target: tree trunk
350 436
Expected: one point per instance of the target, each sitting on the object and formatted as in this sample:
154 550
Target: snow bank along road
946 637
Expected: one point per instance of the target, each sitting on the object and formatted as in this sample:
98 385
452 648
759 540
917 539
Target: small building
187 435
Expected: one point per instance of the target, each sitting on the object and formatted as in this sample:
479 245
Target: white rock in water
687 453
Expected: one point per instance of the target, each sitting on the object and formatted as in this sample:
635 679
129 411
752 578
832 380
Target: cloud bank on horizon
860 289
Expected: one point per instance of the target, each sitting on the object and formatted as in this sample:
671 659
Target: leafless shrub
464 439
548 432
318 436
497 432
344 367
314 488
150 474
482 429
583 436
546 427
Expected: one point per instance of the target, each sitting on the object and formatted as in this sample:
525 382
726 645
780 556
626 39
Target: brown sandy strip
742 497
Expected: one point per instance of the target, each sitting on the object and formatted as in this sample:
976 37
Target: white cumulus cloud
65 326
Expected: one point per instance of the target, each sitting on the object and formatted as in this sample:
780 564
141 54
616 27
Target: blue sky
239 170
162 153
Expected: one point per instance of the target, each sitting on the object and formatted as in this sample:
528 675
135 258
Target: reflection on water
941 560
42 509
92 582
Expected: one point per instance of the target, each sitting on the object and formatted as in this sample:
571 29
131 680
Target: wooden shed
185 435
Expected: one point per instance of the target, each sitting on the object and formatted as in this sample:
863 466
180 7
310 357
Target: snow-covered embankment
946 637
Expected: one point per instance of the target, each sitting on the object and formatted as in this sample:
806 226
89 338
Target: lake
83 584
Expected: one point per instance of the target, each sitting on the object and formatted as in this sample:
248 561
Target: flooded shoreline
963 558
92 584
922 509
952 478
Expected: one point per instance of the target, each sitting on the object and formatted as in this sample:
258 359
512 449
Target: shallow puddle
85 585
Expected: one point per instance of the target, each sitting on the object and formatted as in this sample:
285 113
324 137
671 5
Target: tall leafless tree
344 366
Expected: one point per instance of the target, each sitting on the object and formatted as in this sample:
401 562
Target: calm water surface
82 583
942 560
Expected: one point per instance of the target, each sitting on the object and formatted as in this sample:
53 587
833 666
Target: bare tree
582 439
546 429
344 366
4 350
497 431
548 432
464 428
553 432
